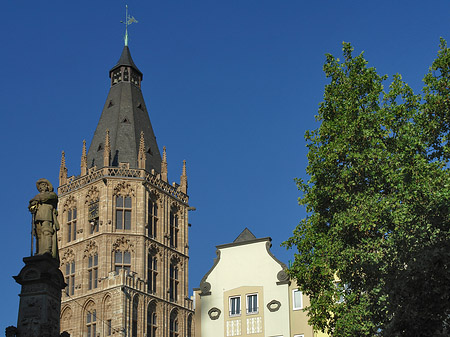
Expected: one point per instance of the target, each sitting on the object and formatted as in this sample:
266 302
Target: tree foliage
374 251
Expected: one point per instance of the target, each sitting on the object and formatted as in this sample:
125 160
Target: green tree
373 252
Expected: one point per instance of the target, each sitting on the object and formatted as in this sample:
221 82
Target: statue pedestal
40 298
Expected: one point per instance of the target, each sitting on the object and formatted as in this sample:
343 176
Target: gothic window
93 271
70 277
152 272
173 325
189 326
173 282
134 321
91 323
107 314
173 229
93 216
151 320
152 218
123 212
122 260
72 224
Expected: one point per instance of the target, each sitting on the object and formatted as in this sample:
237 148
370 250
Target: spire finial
141 155
164 165
107 150
128 21
183 179
63 170
83 159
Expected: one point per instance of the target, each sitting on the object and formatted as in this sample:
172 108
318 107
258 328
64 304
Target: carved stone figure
43 207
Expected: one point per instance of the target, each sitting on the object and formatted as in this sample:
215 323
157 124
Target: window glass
252 303
297 299
235 305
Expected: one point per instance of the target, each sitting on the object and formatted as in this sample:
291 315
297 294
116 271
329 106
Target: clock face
93 211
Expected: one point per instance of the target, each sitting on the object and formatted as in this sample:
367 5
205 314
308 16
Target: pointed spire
107 150
164 165
63 170
83 159
183 179
141 155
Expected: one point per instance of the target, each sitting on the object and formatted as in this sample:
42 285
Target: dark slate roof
245 235
125 115
125 60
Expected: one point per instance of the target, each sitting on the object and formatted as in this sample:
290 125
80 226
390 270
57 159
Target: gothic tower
123 242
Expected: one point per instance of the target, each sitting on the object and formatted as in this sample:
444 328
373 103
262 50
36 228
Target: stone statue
45 222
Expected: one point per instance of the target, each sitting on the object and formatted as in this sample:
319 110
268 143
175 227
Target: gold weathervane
128 21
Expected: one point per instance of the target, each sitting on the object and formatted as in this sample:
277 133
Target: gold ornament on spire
128 21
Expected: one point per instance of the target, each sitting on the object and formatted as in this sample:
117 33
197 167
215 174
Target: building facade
123 242
248 293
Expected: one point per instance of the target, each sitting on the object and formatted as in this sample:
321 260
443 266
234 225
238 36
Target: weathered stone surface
40 298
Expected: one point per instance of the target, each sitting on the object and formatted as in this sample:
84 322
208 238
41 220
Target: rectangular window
152 273
235 306
122 260
70 278
173 285
252 304
71 224
297 299
93 271
123 212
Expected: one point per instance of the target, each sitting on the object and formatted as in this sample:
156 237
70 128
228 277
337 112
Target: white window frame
257 304
230 306
293 300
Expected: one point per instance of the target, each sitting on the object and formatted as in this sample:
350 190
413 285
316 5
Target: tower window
151 320
91 323
70 278
93 217
123 212
71 224
152 272
122 260
93 271
173 324
173 285
152 218
173 229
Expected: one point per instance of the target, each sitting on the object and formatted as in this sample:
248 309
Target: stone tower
124 229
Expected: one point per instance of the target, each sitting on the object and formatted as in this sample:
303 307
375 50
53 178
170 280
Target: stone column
40 297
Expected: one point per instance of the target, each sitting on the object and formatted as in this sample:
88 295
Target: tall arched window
152 271
152 218
91 320
70 277
173 282
134 321
151 320
189 326
93 271
173 229
173 325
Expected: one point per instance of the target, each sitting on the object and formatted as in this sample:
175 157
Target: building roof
245 235
125 116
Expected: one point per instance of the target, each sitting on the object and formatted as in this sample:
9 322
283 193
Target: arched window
173 282
189 326
71 224
173 229
152 218
107 316
151 320
152 272
134 321
123 212
91 321
173 325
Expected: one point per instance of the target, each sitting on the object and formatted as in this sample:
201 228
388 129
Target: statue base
40 297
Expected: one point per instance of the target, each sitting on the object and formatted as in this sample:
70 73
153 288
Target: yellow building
248 293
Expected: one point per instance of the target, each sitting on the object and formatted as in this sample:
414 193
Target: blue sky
231 87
